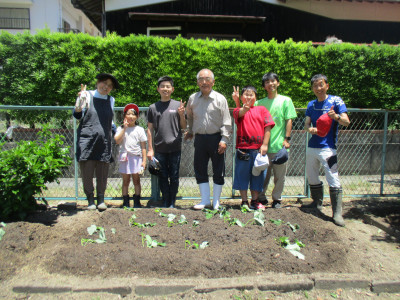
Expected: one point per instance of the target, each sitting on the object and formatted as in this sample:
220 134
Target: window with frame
14 18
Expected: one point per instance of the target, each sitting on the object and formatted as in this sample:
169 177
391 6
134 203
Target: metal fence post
385 129
306 189
233 158
75 162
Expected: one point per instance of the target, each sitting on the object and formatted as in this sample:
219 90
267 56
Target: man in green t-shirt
282 110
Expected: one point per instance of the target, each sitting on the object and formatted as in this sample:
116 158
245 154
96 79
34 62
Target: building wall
51 14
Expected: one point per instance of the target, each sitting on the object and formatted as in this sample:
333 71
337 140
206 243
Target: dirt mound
54 244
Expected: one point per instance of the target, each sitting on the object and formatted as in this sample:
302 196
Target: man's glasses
206 79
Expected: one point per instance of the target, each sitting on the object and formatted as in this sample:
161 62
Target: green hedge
48 68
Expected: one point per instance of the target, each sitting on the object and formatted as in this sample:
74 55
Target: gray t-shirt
166 123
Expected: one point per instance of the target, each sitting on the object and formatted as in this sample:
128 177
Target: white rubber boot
216 195
205 196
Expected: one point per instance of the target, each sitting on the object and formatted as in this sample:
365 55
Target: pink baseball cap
324 123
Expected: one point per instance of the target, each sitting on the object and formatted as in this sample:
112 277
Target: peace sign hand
235 96
181 109
247 104
81 101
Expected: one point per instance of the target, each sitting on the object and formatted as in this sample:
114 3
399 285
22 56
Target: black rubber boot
91 205
136 201
337 205
100 203
126 200
317 195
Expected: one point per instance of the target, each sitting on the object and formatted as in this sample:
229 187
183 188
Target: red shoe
256 205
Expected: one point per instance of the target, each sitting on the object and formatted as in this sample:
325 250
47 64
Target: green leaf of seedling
245 209
189 244
210 213
157 210
283 241
195 223
334 295
259 218
293 227
113 230
129 208
92 229
163 214
223 213
182 220
295 250
150 243
300 244
84 242
236 221
171 217
276 222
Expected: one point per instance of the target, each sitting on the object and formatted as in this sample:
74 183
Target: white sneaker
91 207
102 206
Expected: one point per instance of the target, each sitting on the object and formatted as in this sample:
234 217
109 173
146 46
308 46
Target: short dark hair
269 76
165 78
317 77
249 87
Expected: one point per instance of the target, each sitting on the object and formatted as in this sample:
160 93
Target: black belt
208 134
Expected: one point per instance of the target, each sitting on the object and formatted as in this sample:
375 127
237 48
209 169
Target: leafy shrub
48 68
26 169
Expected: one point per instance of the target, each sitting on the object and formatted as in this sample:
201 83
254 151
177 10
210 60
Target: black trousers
206 148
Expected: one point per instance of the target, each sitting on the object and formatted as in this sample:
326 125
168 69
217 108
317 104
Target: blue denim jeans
169 176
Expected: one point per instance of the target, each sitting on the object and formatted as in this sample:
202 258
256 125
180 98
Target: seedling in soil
189 245
210 212
195 223
223 213
95 229
2 231
147 224
182 220
259 217
171 218
129 208
245 209
236 221
293 248
150 243
293 227
276 222
132 220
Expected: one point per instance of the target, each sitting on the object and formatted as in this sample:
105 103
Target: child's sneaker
245 203
256 205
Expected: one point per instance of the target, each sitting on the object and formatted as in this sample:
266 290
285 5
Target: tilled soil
50 241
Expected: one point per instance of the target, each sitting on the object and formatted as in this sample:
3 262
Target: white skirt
129 163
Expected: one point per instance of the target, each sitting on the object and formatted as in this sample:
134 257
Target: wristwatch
288 138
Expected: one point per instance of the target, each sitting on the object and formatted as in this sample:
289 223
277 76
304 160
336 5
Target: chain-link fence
368 152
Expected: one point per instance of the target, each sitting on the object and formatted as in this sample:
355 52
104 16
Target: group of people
262 143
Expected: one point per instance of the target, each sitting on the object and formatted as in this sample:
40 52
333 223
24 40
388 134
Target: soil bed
49 242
